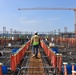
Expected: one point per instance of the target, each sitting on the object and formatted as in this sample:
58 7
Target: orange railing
55 59
17 57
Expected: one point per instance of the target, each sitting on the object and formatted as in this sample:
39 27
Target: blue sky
37 20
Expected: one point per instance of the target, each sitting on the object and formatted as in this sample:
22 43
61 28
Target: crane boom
41 8
38 8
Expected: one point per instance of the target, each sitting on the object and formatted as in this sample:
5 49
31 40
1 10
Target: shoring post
13 62
46 49
60 63
57 60
73 72
41 43
26 47
52 57
22 51
1 68
20 55
44 46
54 60
65 68
48 52
17 57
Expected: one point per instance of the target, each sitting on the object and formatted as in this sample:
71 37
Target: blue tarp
14 50
69 68
4 69
55 49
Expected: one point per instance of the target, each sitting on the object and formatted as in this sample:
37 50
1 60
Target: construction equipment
40 8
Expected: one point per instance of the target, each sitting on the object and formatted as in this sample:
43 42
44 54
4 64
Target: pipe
65 69
73 72
72 67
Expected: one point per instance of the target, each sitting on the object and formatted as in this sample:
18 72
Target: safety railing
55 58
56 61
17 56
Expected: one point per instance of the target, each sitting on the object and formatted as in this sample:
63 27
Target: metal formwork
36 66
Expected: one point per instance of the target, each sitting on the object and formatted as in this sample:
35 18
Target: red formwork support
28 44
54 60
17 57
52 57
46 49
13 63
23 51
41 43
57 60
15 60
26 47
48 52
20 55
1 68
60 63
49 55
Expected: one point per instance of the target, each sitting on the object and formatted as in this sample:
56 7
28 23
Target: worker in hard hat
35 42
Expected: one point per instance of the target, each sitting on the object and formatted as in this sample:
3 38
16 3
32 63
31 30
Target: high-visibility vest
35 40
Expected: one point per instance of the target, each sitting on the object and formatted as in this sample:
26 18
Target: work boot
36 56
33 55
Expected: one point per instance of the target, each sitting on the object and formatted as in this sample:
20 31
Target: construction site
56 53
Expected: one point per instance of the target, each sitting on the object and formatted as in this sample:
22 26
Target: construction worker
35 42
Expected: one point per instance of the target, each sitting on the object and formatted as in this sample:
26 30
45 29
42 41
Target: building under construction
56 54
55 57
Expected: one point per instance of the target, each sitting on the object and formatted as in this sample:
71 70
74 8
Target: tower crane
39 8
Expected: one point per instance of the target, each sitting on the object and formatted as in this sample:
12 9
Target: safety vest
35 40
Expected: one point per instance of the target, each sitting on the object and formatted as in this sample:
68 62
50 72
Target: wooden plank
36 66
